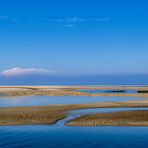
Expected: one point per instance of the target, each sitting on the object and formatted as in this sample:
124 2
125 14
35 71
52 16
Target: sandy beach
68 90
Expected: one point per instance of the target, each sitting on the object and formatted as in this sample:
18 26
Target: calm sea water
46 100
71 137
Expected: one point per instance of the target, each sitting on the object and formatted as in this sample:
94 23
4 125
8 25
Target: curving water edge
59 135
77 113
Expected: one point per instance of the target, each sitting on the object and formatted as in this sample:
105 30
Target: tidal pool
46 100
108 91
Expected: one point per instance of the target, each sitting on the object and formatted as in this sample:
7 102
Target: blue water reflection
46 100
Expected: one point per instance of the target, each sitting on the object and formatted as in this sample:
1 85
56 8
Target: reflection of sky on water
45 100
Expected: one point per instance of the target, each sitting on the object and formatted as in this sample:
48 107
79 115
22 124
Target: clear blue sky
75 37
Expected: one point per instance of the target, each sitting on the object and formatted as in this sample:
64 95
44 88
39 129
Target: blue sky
75 37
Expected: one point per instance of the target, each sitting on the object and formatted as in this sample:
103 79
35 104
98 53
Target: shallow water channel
77 113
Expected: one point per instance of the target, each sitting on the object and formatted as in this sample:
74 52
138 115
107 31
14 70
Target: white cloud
71 22
67 22
4 17
8 19
16 71
74 20
78 19
69 25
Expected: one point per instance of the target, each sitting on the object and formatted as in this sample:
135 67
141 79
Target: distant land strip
142 91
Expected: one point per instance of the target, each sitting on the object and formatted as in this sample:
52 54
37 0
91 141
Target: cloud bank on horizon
17 71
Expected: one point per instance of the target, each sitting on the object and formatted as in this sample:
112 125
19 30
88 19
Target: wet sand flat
52 113
122 118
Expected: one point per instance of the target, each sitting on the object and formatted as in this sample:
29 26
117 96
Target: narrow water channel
77 113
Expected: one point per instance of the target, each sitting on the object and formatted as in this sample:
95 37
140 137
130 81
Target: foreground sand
52 113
